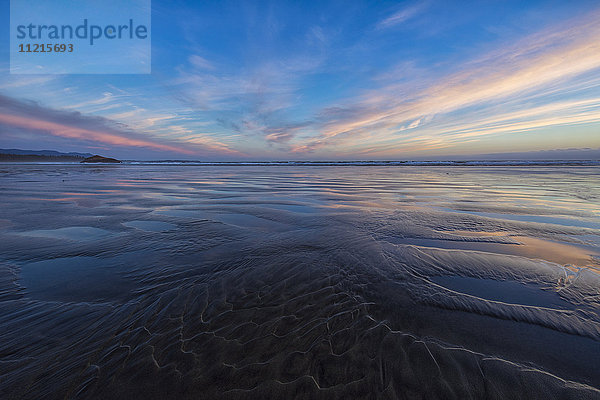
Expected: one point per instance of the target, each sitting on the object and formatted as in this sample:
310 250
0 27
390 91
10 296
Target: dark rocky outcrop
100 159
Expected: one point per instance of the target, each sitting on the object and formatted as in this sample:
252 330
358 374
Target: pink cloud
73 132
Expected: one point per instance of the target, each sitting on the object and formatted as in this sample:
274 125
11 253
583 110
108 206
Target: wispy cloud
92 130
104 99
332 81
254 102
530 69
18 81
402 15
200 62
71 132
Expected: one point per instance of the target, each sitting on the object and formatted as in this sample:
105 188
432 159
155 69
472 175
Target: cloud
200 62
284 133
32 117
17 81
506 82
77 132
402 15
255 102
107 97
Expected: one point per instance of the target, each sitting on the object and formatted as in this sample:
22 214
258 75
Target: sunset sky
328 81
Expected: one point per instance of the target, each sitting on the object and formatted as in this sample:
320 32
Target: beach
299 281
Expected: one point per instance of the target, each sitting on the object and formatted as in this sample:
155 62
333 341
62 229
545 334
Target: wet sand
228 282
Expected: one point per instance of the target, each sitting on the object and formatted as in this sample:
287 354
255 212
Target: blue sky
329 80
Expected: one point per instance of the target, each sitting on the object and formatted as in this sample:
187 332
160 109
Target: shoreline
475 163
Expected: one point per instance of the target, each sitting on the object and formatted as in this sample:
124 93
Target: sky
329 80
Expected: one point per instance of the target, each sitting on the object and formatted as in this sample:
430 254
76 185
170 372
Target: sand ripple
257 285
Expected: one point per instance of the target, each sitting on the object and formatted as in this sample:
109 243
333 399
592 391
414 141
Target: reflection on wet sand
149 281
573 254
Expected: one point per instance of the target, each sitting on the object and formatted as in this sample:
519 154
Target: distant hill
18 155
44 153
